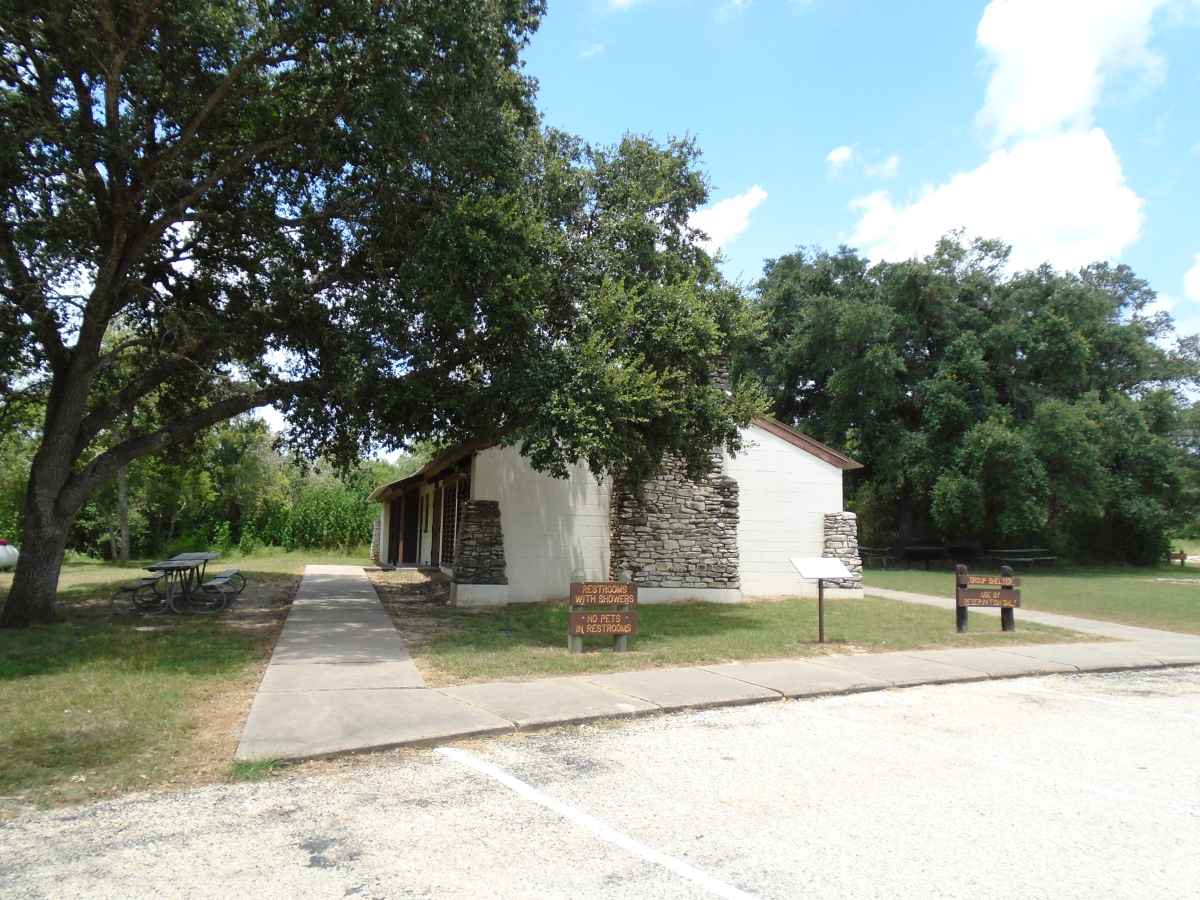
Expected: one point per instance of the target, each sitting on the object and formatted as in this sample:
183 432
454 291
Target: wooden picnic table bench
925 553
1029 555
880 554
1180 556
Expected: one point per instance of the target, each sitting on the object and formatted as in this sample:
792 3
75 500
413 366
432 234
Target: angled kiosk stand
820 569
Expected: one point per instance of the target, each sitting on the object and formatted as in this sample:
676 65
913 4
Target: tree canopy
350 210
987 405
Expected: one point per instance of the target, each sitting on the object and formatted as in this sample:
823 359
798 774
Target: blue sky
1069 128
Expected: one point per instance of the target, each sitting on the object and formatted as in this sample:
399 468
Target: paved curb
344 684
515 728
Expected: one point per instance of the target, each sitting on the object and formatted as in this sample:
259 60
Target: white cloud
1191 281
726 219
592 50
886 169
1050 59
839 156
1061 198
623 4
1053 185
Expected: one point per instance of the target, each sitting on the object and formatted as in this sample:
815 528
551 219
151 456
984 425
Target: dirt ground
408 595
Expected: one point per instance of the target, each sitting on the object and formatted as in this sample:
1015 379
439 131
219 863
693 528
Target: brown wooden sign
603 593
602 609
997 591
1001 597
602 624
994 581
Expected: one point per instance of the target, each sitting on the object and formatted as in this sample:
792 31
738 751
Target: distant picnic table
1025 555
930 552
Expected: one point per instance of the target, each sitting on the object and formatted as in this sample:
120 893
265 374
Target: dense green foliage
230 489
350 210
1008 409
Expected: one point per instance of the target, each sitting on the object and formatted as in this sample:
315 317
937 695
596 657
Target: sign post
820 569
602 608
986 590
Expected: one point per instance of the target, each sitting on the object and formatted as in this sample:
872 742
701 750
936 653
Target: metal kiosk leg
820 610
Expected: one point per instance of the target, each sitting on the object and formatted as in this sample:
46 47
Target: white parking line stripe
600 829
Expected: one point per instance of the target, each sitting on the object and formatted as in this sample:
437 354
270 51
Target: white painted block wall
783 494
553 527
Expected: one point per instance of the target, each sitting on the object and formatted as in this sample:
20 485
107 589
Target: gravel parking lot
1065 786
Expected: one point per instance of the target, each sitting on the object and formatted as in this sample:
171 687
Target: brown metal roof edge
439 463
804 442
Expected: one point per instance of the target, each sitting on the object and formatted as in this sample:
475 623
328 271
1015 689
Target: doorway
393 545
412 524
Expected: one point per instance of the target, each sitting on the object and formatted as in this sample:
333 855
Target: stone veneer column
841 542
479 545
671 531
375 527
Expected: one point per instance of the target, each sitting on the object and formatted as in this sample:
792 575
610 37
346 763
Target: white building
506 533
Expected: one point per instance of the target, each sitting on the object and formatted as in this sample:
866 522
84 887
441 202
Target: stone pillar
841 542
479 545
672 531
375 529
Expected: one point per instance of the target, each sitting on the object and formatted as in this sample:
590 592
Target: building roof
456 454
444 460
804 442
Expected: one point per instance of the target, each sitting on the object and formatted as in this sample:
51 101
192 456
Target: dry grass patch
107 702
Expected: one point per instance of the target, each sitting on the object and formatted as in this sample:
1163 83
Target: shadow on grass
185 646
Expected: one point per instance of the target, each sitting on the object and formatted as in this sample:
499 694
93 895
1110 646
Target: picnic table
1028 555
925 553
185 575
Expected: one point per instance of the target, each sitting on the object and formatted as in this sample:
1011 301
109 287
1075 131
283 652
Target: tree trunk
43 541
123 514
35 584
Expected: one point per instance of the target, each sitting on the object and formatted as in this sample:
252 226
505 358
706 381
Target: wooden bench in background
1179 556
878 555
1027 556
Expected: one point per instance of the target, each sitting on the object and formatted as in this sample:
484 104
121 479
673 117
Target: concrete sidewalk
341 679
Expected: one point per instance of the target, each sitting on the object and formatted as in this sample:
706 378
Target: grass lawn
529 640
106 702
1157 597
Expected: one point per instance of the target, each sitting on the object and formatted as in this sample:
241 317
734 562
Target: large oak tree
349 210
992 406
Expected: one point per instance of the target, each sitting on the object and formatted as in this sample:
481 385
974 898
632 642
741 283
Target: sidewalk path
1072 623
341 678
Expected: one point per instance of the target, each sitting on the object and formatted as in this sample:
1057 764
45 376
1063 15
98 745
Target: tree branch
104 466
94 422
29 300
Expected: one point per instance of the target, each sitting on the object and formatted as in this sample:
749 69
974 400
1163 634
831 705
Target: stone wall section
841 542
671 531
479 545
